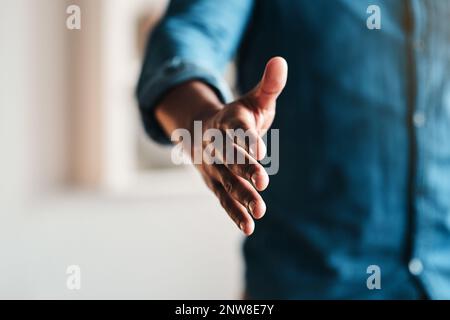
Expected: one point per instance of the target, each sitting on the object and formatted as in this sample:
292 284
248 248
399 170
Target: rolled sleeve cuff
172 73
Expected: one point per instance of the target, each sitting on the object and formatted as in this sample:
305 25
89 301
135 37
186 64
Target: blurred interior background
80 182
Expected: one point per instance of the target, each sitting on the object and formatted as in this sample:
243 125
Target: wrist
184 104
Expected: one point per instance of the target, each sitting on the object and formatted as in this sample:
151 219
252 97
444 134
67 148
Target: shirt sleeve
195 40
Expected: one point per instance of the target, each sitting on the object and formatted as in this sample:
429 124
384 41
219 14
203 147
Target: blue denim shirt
364 136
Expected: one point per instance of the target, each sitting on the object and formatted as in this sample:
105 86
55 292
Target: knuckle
248 170
248 200
216 190
233 217
227 185
239 170
234 168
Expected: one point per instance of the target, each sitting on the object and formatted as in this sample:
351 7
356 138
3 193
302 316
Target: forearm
196 39
184 104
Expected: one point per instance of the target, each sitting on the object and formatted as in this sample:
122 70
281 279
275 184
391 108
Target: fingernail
242 226
253 178
251 207
252 150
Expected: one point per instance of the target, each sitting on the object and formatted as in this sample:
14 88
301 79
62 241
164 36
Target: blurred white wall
146 235
34 97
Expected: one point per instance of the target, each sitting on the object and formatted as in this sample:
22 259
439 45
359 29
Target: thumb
265 94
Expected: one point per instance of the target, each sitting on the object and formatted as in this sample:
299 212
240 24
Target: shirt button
415 266
175 64
419 119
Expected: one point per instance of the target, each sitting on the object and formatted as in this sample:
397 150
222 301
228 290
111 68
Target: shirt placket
419 46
